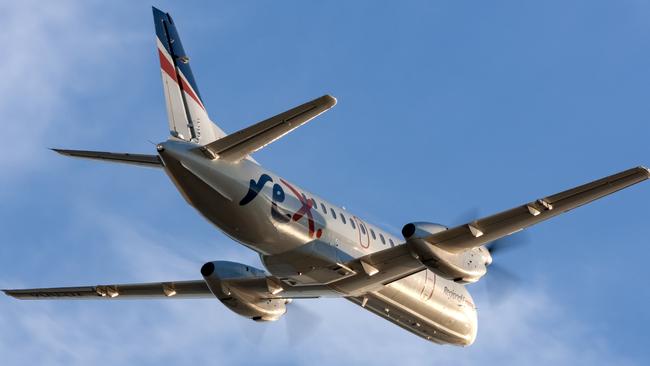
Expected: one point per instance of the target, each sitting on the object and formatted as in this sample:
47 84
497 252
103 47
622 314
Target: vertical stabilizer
188 118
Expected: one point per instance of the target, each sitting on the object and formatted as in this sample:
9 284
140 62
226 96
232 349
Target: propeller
301 322
499 281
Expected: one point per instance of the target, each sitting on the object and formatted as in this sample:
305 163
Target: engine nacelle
465 267
221 278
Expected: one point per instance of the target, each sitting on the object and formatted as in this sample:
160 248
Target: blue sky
443 107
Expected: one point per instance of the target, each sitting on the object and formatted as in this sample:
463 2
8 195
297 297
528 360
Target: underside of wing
265 287
488 229
240 144
180 289
353 277
374 271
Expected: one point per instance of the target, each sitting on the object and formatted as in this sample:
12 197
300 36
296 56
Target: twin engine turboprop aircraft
310 247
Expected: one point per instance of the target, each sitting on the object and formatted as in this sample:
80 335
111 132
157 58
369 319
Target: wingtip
331 100
646 169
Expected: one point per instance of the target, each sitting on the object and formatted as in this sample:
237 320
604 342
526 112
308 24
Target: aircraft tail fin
188 118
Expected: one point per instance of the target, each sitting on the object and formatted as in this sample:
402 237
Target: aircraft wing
266 287
238 145
357 276
487 229
180 289
373 271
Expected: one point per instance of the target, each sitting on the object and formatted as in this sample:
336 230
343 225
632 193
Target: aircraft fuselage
296 232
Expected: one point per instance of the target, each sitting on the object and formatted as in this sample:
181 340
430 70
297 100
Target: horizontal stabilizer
125 158
240 144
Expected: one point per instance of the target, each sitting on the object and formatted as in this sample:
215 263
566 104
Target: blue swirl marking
278 196
255 188
278 215
278 193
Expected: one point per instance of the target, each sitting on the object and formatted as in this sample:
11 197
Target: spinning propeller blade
301 322
500 282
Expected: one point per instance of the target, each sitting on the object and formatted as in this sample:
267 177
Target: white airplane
310 247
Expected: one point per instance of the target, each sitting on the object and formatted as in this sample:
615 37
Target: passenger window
383 241
314 205
333 213
363 229
323 207
353 225
343 218
372 232
391 242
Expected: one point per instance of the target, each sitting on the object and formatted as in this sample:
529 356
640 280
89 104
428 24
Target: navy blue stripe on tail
168 36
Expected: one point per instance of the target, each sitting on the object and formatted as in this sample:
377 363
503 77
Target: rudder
188 118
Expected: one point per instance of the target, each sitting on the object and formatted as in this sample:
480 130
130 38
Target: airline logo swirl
278 196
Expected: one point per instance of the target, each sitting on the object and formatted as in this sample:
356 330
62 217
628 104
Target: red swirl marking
304 210
170 70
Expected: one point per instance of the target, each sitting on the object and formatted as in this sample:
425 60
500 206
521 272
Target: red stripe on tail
170 70
167 67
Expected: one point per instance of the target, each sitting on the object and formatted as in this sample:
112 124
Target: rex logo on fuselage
278 196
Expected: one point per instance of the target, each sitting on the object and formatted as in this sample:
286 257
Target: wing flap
240 144
485 230
152 161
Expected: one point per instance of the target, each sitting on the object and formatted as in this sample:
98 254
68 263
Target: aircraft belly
429 306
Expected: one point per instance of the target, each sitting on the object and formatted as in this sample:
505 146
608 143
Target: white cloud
45 47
